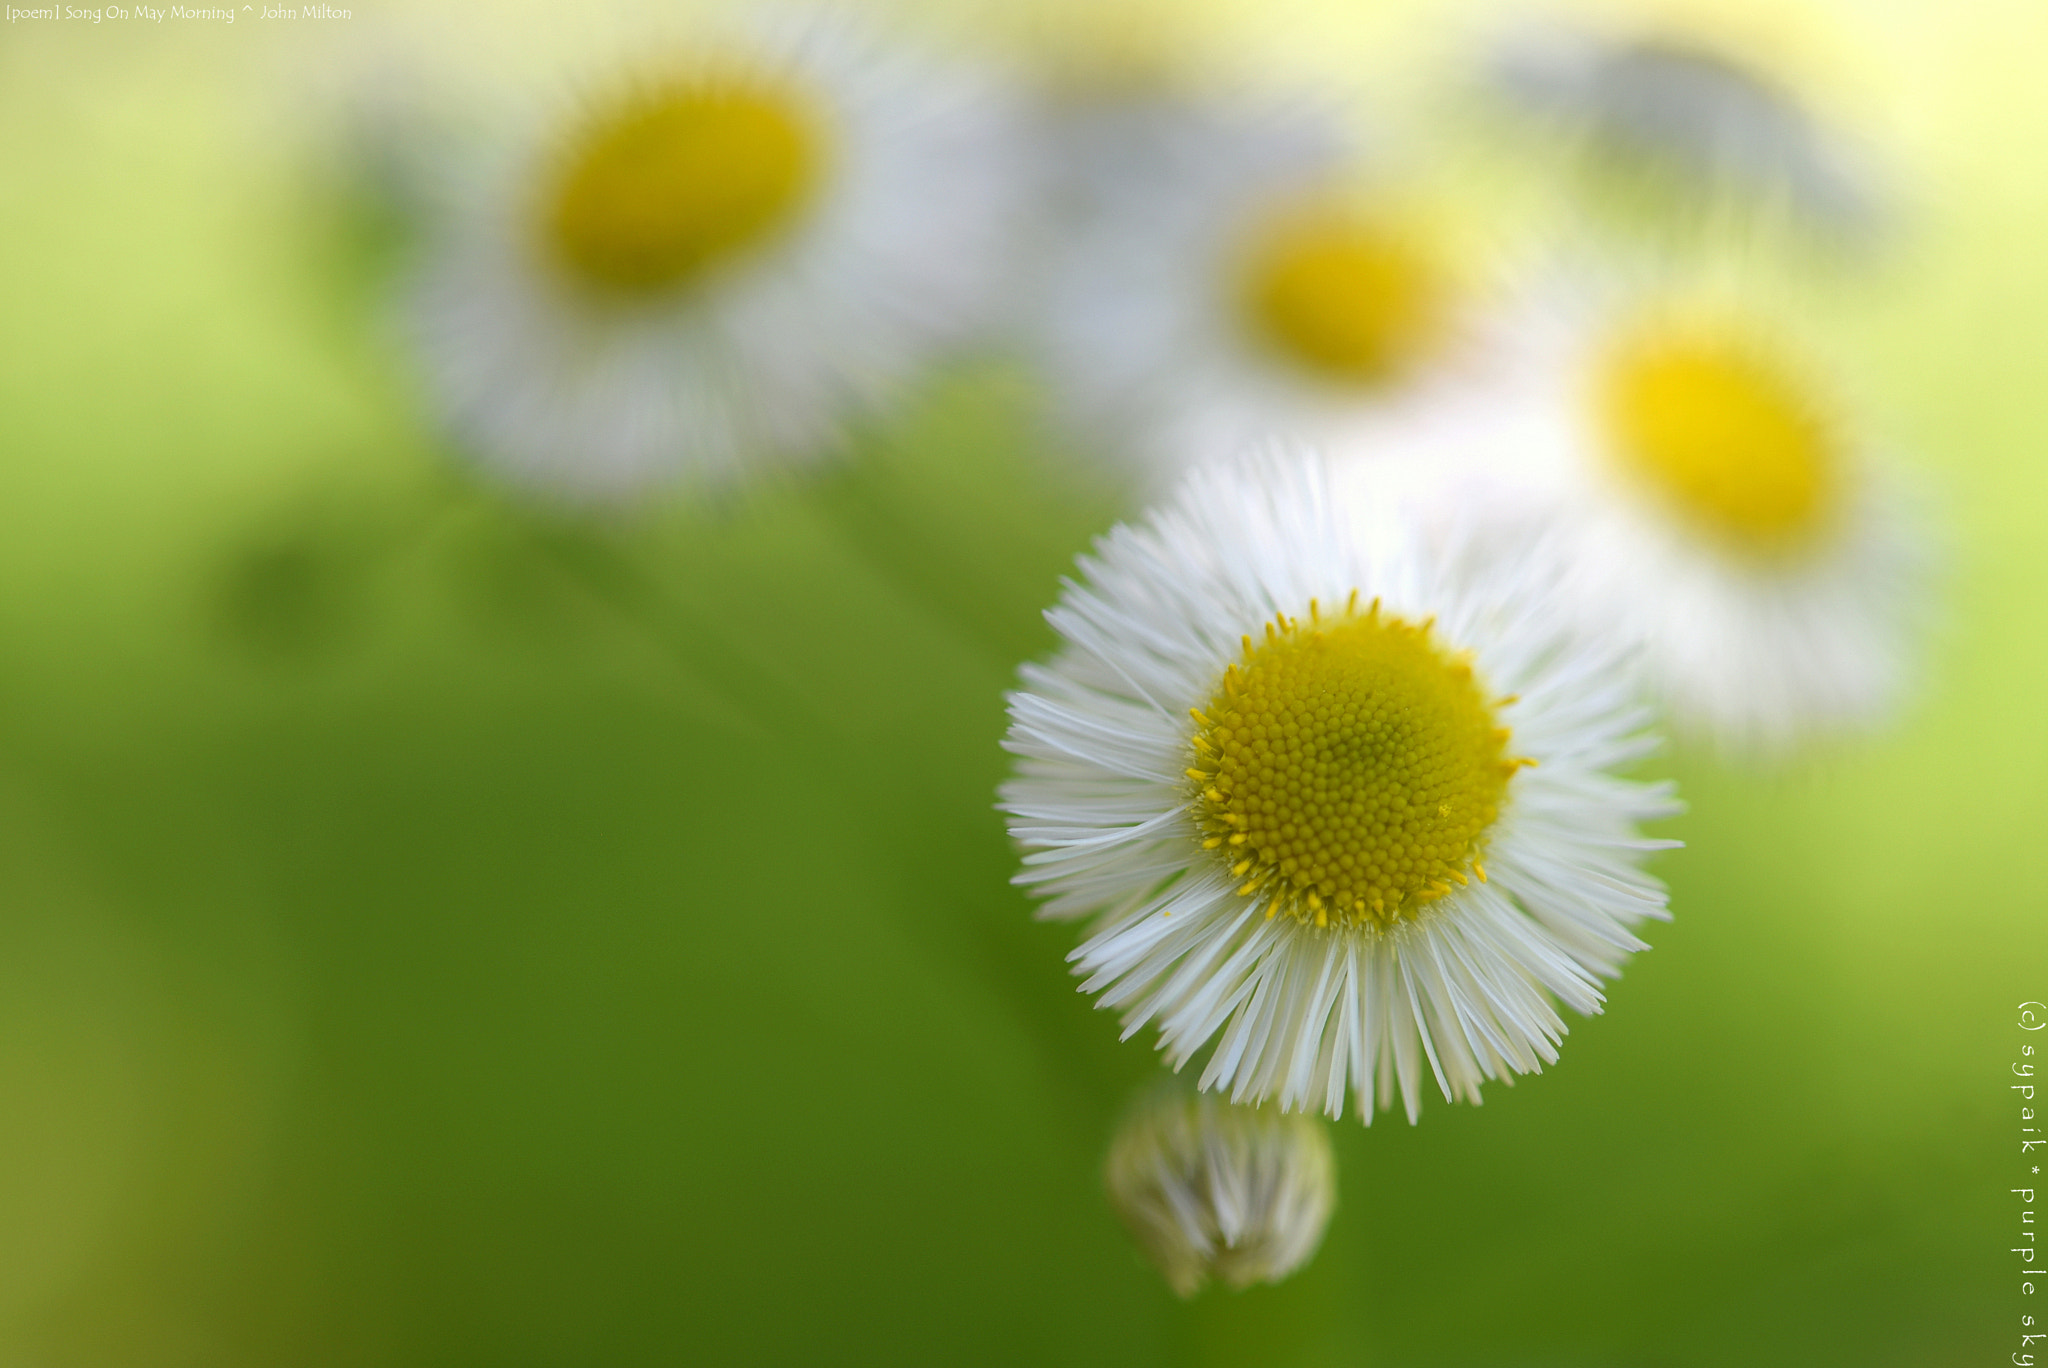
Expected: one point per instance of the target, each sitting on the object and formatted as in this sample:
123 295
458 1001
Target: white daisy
1340 801
1678 107
1721 514
1207 1189
1221 274
715 259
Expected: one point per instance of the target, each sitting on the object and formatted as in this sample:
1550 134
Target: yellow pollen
1352 301
1725 436
1359 763
677 178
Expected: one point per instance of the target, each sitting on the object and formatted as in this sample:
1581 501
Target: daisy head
1207 1190
714 258
1226 275
1725 517
1674 107
1338 795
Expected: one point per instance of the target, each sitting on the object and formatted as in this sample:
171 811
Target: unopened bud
1240 1193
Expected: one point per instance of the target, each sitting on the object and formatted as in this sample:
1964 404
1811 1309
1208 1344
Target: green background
433 931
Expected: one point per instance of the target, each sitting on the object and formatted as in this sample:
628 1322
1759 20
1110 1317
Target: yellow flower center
1349 768
1724 436
1350 301
678 178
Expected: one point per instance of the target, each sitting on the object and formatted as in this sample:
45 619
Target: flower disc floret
1723 436
676 179
1352 301
1349 768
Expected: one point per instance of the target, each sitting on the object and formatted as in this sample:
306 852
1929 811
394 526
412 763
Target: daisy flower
1211 1190
1721 514
1679 107
716 258
1221 275
1339 798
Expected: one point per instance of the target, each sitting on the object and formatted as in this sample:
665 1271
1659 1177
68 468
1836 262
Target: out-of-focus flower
1676 106
1721 514
1209 1189
1220 275
387 139
1339 799
716 259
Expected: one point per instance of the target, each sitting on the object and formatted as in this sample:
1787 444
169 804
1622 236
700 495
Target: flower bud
1206 1188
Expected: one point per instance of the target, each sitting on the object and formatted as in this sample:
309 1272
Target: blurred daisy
1212 1190
1220 277
1722 516
1701 122
715 260
1340 801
